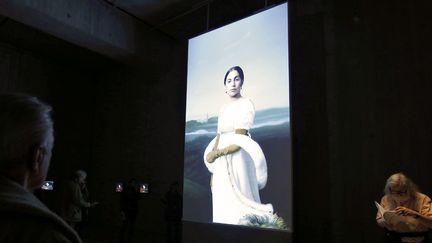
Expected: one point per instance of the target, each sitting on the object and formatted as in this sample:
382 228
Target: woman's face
233 84
399 194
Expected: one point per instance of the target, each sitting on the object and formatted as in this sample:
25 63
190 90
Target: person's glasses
396 192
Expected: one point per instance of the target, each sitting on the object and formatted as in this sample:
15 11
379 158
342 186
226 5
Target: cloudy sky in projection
258 44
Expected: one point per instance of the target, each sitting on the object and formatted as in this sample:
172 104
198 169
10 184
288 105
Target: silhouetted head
26 138
80 176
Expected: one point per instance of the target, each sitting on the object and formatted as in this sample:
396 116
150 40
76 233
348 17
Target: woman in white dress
237 163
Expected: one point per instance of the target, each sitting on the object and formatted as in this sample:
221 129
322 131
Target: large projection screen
249 182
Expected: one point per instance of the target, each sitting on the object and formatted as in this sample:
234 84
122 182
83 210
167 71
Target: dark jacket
26 219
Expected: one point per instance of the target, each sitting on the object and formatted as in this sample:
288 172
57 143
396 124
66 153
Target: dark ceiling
179 19
183 19
30 40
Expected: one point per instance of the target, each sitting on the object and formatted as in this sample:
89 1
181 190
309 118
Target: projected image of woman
237 163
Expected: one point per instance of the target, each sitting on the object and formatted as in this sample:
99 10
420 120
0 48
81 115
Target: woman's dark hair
240 72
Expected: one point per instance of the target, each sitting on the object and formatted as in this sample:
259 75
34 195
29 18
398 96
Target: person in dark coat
129 211
173 213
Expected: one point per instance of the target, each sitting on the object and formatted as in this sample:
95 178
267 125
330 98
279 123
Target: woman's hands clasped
407 212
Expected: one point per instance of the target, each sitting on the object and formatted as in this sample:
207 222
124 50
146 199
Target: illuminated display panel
243 176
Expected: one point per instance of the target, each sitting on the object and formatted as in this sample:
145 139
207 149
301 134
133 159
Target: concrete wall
139 134
69 89
111 119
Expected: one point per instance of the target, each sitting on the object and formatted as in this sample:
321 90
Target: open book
403 223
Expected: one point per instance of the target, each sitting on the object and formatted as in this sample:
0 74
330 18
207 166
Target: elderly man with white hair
26 142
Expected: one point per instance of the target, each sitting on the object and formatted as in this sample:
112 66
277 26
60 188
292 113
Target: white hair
402 181
25 122
80 174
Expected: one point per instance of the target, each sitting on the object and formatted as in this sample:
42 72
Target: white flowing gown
237 177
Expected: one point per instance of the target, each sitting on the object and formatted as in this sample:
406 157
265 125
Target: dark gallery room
216 121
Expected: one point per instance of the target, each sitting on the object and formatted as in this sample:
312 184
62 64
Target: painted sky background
259 45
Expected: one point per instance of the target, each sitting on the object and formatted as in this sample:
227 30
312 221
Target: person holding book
409 210
424 219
